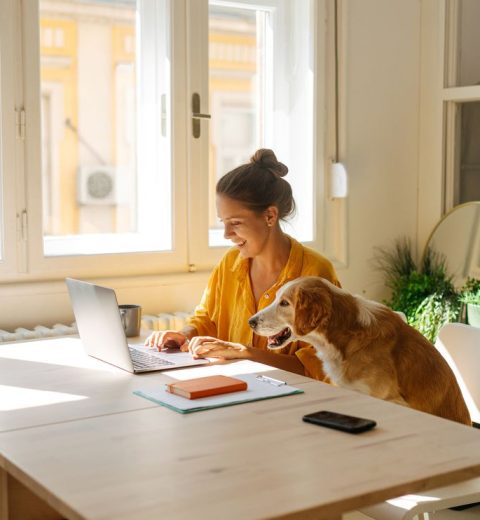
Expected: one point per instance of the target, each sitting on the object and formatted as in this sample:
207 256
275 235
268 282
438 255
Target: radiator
40 331
164 321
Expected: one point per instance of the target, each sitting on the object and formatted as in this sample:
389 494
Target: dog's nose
253 322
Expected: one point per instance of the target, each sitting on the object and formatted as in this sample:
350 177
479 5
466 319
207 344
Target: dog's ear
313 308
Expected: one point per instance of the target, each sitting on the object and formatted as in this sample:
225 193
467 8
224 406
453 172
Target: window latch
22 221
20 123
197 115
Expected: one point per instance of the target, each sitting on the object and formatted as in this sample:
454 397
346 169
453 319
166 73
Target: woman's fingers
184 347
205 346
166 339
153 339
198 345
209 348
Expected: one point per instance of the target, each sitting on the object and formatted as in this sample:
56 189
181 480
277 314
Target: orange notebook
206 386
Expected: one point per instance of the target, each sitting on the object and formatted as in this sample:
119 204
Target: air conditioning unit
97 185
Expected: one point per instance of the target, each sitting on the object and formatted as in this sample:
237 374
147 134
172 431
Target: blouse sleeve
320 267
202 317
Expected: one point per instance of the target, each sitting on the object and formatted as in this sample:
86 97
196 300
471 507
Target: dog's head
300 307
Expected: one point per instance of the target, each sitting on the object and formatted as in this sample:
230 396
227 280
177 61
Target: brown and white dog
363 345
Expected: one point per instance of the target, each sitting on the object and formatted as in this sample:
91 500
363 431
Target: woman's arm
205 346
164 339
282 361
189 331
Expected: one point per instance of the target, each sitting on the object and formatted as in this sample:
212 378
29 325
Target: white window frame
20 159
12 131
94 265
452 97
330 216
438 100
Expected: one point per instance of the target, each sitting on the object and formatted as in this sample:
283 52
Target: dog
364 346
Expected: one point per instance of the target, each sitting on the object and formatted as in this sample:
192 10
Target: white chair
459 344
469 514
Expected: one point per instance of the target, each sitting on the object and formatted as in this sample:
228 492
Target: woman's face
248 230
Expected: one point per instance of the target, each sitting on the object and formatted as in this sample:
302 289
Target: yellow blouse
228 302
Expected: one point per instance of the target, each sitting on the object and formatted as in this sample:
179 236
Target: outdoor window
462 95
108 175
104 76
261 72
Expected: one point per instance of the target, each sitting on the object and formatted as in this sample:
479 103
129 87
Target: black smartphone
338 421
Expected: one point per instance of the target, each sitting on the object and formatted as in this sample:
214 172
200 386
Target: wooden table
114 455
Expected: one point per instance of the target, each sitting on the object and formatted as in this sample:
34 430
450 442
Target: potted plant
470 296
425 294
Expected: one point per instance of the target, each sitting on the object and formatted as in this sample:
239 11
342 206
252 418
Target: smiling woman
252 200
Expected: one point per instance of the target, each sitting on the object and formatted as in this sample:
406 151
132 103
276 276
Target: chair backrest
459 344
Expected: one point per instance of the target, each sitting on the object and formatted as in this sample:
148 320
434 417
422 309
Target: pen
270 380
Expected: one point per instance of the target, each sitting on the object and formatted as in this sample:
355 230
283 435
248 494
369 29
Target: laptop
100 328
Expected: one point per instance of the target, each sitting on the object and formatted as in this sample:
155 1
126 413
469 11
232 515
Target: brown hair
259 184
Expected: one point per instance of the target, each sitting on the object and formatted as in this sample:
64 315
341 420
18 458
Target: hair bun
268 160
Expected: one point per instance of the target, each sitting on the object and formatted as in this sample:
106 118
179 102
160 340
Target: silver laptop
100 328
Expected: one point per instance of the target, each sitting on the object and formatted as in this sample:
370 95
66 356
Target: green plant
470 291
434 311
425 294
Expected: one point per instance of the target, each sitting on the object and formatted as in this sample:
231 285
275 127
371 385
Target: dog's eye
284 303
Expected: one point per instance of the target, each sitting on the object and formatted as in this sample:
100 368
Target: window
462 96
11 128
104 163
467 172
261 72
108 173
465 62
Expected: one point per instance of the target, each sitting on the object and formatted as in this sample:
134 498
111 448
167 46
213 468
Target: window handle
197 115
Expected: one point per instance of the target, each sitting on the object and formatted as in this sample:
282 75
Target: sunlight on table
66 352
17 398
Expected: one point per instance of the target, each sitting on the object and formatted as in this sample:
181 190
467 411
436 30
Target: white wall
47 303
382 125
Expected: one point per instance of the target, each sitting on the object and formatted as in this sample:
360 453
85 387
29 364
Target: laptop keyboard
144 360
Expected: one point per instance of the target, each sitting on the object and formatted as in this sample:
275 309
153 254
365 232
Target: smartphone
338 421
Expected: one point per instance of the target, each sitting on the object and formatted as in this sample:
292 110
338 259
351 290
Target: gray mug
131 316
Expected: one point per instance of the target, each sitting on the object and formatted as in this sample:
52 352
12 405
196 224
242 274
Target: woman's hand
167 339
205 346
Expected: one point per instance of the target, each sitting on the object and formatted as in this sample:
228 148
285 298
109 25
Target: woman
251 201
